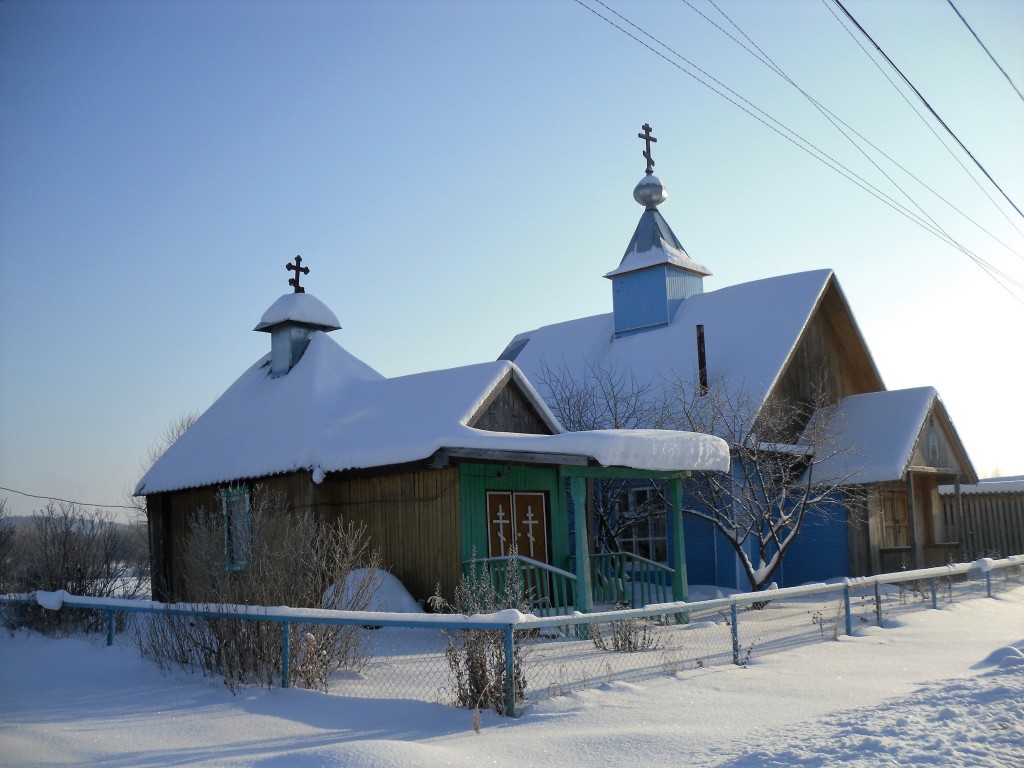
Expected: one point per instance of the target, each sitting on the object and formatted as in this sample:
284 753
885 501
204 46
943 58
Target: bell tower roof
655 274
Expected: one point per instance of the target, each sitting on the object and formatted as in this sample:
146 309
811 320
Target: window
237 527
643 524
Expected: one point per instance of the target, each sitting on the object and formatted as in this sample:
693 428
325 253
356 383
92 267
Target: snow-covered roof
302 308
750 331
1014 484
332 412
876 434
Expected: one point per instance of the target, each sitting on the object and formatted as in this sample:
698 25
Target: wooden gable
509 409
830 356
939 448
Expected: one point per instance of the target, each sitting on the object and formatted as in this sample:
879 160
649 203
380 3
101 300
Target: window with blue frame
237 511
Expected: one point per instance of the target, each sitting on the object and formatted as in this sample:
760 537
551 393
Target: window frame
235 503
646 532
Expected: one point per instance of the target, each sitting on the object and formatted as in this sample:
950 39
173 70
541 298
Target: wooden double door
520 519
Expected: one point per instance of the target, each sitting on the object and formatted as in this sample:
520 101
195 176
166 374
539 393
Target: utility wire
827 114
761 56
793 138
67 501
778 127
985 48
994 272
922 118
924 121
927 105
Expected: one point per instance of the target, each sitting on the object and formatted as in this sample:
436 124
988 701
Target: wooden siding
830 356
992 524
510 411
411 519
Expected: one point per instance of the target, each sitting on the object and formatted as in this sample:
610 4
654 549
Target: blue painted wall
640 300
821 551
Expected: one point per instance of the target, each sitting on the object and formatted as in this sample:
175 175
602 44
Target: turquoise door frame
576 478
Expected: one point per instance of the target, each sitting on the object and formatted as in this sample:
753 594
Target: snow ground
940 687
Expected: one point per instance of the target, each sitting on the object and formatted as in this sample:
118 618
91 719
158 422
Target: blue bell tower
655 275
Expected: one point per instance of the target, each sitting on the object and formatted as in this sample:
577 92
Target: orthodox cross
500 521
648 140
299 270
529 521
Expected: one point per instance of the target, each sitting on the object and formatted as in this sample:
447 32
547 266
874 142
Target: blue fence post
849 611
735 633
935 592
988 583
110 626
510 672
285 672
878 605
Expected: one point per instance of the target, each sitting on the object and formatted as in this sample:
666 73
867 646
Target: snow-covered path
944 688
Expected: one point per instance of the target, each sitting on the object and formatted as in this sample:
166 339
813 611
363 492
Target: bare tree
292 557
7 544
761 506
64 546
167 438
608 397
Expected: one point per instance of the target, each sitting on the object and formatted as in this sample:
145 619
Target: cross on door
518 517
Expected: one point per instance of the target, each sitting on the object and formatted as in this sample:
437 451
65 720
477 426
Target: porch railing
624 578
549 590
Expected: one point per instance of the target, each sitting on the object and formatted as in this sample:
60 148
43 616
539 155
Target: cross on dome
299 270
648 140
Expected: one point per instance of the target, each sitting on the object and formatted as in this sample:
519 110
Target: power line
780 128
927 105
796 140
922 118
67 501
985 48
1000 277
762 57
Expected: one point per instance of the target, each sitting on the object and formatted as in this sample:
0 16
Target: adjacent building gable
890 434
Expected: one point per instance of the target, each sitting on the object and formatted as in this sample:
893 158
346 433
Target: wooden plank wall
510 411
993 524
829 357
412 519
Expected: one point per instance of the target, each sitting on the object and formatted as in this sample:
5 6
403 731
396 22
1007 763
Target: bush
6 550
293 558
626 636
476 657
85 553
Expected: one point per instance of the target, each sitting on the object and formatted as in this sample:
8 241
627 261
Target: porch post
675 501
584 591
917 560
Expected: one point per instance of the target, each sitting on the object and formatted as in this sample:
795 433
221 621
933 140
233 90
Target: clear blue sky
456 172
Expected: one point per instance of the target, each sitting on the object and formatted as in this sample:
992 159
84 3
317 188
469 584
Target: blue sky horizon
454 173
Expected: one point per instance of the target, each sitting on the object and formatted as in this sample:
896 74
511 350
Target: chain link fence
433 657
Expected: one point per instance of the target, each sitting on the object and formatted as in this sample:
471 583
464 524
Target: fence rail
408 658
